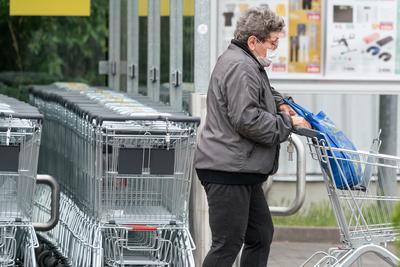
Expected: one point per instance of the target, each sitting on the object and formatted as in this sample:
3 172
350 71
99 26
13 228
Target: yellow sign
188 8
50 7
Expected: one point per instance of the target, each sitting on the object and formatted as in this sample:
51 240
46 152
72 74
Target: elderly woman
239 145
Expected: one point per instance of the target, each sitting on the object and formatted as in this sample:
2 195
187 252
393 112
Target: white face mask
269 58
264 61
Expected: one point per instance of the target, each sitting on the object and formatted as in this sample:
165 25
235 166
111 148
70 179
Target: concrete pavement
293 254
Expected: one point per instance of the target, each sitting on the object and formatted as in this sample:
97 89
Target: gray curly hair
259 22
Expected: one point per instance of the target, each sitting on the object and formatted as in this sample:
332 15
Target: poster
305 36
231 10
299 49
361 37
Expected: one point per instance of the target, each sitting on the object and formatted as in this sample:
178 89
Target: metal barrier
300 181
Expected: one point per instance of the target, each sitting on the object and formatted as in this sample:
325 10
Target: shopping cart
143 245
121 161
17 245
77 236
364 217
20 126
130 166
147 173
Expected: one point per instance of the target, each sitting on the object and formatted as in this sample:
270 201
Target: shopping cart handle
55 203
140 227
311 133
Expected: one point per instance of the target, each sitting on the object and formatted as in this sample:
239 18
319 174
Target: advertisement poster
305 36
361 37
299 48
231 10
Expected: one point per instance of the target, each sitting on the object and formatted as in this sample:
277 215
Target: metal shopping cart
364 217
20 126
121 161
147 246
138 159
76 238
17 244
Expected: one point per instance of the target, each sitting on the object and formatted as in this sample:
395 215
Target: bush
396 222
320 214
20 92
15 84
65 47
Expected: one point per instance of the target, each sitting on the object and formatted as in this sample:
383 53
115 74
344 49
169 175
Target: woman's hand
287 109
300 122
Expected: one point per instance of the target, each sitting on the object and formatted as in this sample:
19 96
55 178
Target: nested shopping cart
363 215
145 245
121 161
20 129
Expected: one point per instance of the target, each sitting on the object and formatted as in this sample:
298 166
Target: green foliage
69 48
316 215
19 92
25 78
16 84
396 222
65 47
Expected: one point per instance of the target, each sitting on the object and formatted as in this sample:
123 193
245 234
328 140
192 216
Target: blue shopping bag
351 171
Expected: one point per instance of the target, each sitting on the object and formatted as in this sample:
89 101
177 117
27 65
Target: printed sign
305 36
231 10
299 46
50 7
361 37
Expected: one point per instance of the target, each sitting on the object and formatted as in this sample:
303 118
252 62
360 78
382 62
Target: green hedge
16 84
65 47
396 221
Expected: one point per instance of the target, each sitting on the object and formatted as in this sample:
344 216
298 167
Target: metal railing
300 181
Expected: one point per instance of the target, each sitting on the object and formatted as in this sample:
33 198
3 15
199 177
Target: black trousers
239 214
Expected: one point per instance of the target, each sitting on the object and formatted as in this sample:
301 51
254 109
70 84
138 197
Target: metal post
175 54
202 46
153 49
388 125
133 47
114 44
199 207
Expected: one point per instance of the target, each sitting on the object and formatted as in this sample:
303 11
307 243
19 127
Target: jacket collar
246 49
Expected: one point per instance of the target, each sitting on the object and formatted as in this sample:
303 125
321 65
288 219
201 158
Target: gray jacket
243 128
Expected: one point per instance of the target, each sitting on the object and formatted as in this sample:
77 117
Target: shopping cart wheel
39 250
43 256
50 261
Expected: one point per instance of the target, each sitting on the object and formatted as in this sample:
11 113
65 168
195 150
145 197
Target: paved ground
293 254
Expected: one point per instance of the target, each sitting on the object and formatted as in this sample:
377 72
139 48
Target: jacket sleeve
278 97
245 113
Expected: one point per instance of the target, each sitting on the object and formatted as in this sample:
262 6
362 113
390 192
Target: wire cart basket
364 217
20 131
121 161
